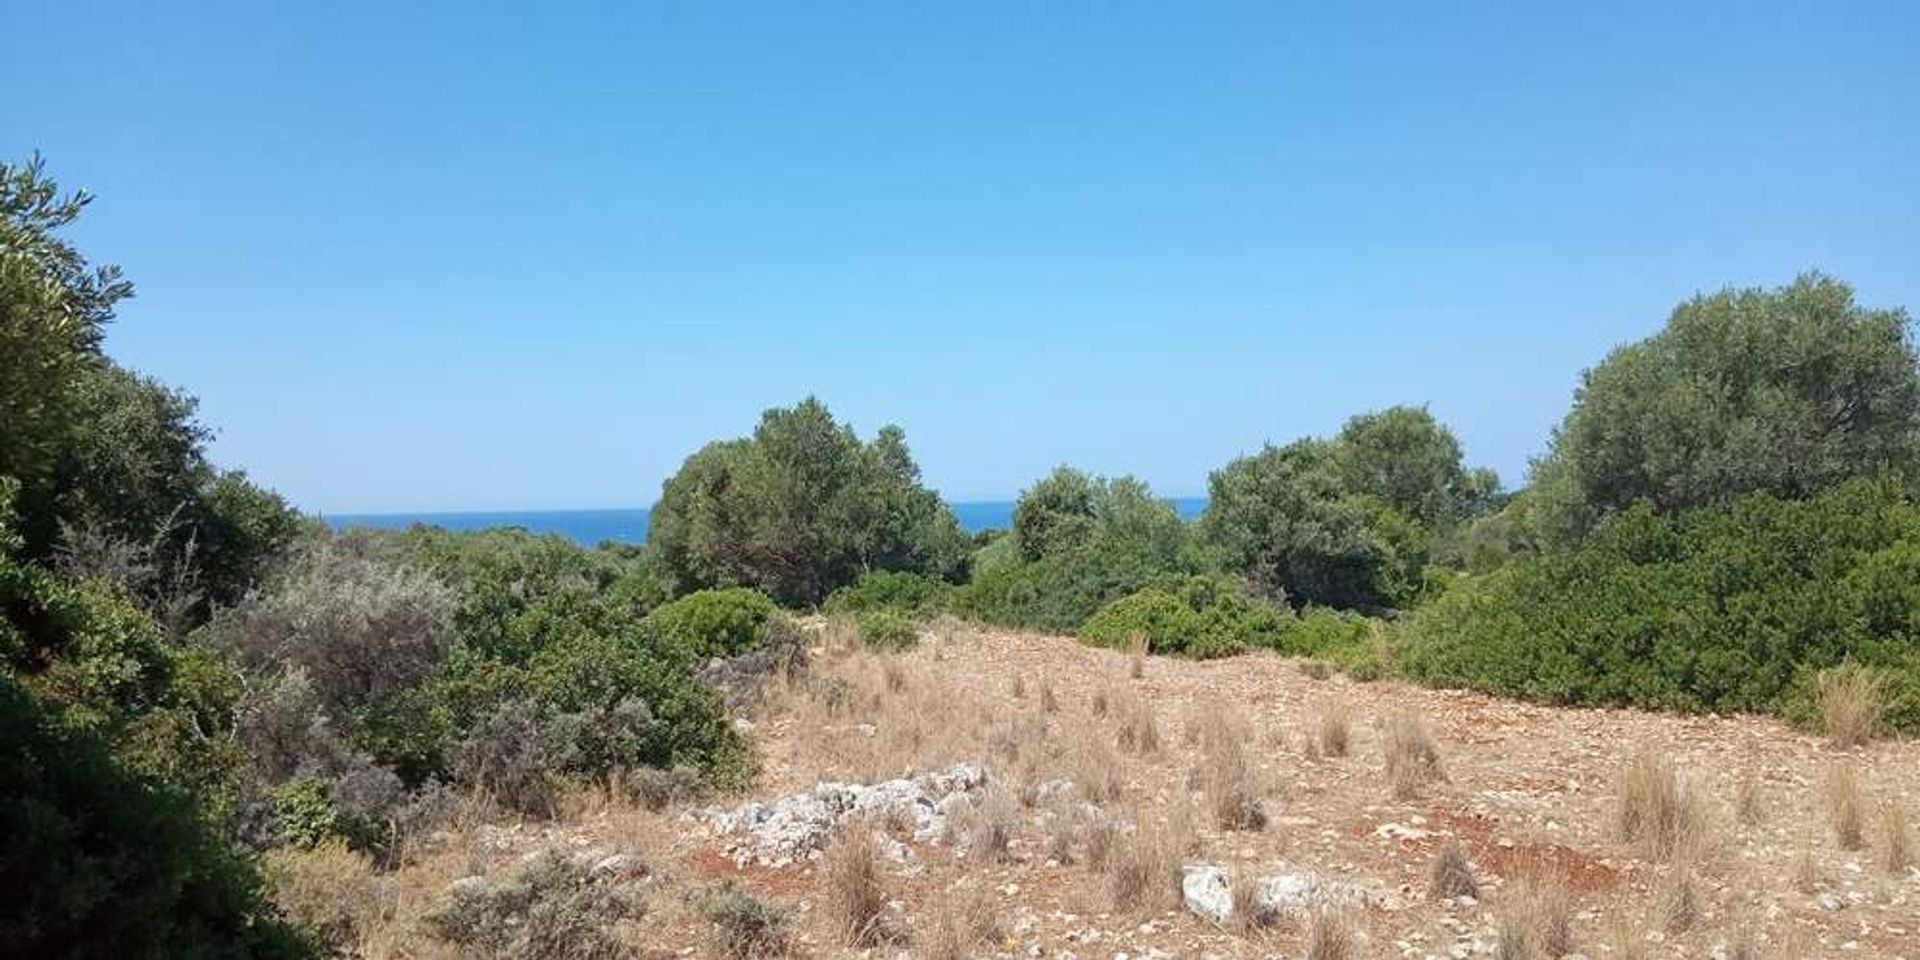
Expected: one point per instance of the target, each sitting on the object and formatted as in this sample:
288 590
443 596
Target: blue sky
477 255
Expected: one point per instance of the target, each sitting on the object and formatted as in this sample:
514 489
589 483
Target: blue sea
592 527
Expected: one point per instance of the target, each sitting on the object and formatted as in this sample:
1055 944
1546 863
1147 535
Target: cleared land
1237 763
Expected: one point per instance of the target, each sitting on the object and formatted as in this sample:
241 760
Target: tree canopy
1787 391
800 509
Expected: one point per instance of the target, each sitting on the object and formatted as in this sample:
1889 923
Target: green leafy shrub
1195 616
887 630
100 861
909 594
712 623
1726 608
1079 553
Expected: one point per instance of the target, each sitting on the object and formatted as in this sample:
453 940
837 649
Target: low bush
908 594
553 909
712 623
887 630
1195 616
745 926
1734 608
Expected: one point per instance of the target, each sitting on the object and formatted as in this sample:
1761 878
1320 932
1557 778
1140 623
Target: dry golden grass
1895 840
989 823
961 920
1451 874
331 890
1143 868
1335 731
852 888
1850 700
1748 806
1049 702
1100 703
1412 759
1315 669
1233 787
1249 917
1676 899
1137 656
1139 731
1658 812
1332 935
1846 811
1018 688
1092 764
1806 873
1536 918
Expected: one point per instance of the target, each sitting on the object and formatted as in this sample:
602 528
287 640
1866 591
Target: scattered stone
1208 891
797 827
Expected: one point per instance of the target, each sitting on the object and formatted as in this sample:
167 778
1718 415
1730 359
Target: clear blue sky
479 255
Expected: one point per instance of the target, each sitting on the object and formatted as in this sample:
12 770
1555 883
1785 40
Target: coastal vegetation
197 674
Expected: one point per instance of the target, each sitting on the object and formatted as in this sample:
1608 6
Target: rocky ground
1035 798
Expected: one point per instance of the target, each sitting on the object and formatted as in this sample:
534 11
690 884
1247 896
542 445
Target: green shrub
1078 554
887 630
906 593
1729 608
102 862
712 623
1195 616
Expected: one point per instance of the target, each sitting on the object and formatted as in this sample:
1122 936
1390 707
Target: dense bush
1785 391
99 861
887 630
800 509
906 593
1077 554
1723 608
1196 616
552 909
1347 522
712 623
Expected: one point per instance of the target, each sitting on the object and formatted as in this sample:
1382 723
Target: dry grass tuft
1657 811
1093 765
1137 656
1451 874
1143 869
1845 809
1896 842
1099 704
1233 787
1806 875
1335 732
1676 901
960 922
1139 731
990 823
1747 803
1332 936
1850 700
1316 669
331 890
1412 759
854 896
1049 703
1019 686
1249 916
1536 919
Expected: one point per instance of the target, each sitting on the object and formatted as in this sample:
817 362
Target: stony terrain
1047 802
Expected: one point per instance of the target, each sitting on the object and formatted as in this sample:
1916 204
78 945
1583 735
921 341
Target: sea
593 527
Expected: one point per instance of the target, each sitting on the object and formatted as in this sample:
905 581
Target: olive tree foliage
799 509
1347 522
1787 391
1412 463
53 306
113 476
